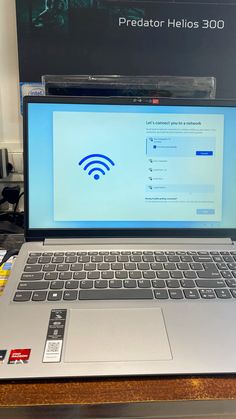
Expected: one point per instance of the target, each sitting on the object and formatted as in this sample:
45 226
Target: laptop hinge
139 241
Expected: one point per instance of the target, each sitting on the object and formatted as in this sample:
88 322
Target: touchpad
109 335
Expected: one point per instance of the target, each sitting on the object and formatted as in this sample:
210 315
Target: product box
131 38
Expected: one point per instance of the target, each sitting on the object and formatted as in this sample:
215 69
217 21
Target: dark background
90 41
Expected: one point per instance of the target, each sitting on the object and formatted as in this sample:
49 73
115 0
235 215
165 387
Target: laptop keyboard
127 275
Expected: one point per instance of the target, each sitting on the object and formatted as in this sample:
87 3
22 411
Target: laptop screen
112 164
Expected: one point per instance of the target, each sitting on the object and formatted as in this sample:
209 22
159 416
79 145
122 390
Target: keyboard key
57 285
22 296
191 294
62 267
196 266
144 283
69 259
93 275
54 295
210 284
75 267
86 284
187 283
233 292
163 275
176 274
89 266
218 259
158 283
39 296
130 266
190 274
51 276
43 285
116 294
49 267
135 259
57 259
33 268
226 274
79 275
83 259
176 294
109 274
117 266
130 283
72 285
44 259
182 266
123 258
173 259
161 294
135 275
65 276
121 274
35 276
109 258
207 294
202 259
161 258
228 259
172 283
96 259
32 260
115 284
70 295
101 284
156 266
148 258
148 275
208 275
224 294
186 259
103 266
170 266
231 283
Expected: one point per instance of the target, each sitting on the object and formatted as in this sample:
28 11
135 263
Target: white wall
10 118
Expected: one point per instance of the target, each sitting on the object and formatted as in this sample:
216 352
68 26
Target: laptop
129 265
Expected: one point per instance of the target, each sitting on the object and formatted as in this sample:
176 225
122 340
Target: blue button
205 211
204 153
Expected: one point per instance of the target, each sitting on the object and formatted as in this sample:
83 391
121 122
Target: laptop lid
110 167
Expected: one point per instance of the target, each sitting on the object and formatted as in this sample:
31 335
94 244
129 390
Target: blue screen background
40 166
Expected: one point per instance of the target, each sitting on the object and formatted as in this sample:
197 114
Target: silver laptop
130 264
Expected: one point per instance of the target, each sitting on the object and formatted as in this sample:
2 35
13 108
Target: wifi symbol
94 165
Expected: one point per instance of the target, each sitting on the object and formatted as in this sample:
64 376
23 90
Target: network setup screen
137 166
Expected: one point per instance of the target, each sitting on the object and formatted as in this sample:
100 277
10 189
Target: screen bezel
40 234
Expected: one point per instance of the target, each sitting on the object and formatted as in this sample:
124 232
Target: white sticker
52 351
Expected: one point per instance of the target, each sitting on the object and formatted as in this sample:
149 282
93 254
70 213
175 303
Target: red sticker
19 356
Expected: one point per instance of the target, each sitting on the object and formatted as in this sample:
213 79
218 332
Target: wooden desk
119 397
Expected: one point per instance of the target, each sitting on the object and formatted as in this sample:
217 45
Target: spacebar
121 294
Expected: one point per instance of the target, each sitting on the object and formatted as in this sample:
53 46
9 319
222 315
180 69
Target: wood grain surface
116 390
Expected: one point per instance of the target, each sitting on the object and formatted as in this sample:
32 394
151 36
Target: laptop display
131 166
